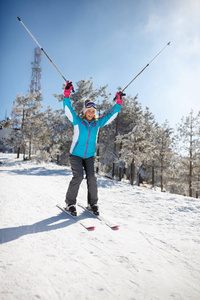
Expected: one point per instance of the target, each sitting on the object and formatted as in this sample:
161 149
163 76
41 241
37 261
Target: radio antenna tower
35 86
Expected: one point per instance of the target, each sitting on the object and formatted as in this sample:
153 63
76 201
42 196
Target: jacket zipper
87 141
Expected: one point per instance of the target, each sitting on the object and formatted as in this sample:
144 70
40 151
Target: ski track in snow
46 255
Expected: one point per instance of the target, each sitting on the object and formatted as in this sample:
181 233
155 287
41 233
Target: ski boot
94 208
72 209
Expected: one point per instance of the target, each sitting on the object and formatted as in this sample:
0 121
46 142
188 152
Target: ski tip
19 19
115 227
91 228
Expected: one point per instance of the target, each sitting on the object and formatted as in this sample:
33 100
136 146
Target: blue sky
109 40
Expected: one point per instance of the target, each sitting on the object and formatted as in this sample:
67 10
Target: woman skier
83 147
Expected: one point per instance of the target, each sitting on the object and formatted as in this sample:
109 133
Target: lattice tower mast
35 86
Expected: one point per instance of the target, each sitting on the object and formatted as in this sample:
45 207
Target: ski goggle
90 104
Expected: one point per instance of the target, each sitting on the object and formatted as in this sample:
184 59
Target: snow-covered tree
163 152
24 113
189 142
137 145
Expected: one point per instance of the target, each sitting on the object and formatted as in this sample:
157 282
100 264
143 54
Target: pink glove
119 97
68 89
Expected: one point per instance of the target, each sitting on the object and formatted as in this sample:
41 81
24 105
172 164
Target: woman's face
90 113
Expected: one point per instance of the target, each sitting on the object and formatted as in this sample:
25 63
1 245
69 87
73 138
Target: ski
77 219
100 218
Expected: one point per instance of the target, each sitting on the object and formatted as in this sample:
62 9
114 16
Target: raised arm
108 118
69 112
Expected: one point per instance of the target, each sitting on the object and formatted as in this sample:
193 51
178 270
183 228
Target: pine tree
136 145
163 151
24 111
189 142
174 183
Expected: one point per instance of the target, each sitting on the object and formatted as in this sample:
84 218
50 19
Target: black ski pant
79 164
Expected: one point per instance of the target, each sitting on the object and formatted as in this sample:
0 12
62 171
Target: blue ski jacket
85 133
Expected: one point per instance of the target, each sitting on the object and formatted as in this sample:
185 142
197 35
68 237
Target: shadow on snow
39 171
13 233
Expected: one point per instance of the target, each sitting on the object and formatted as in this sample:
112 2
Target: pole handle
121 95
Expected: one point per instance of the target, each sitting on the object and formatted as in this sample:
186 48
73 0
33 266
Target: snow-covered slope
46 255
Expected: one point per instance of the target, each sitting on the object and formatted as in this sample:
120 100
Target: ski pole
42 50
143 68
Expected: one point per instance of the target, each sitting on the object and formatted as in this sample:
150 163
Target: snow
46 255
